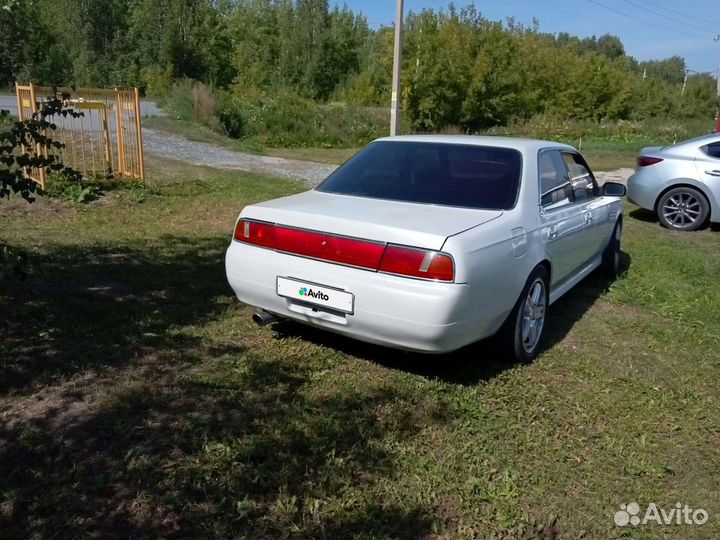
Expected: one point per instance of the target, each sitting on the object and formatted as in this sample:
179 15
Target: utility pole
717 108
397 60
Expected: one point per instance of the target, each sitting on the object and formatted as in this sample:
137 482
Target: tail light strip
644 161
376 256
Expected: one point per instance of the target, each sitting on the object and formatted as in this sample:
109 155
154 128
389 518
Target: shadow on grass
648 216
88 309
475 363
175 437
642 214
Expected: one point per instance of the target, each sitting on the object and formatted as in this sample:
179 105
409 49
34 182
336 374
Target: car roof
517 143
698 141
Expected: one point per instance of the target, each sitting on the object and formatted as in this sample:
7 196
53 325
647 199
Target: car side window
582 180
555 187
712 150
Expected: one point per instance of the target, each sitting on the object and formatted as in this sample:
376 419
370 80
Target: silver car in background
680 183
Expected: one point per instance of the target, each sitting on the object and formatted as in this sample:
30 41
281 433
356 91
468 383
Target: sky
649 29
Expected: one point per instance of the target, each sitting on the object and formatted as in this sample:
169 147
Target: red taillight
254 232
329 248
644 161
392 259
417 263
311 244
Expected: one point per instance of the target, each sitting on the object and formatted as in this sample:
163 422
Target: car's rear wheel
611 256
521 335
683 209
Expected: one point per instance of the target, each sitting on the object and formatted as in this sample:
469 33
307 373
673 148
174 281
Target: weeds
280 119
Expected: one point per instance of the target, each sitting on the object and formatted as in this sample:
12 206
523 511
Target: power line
671 19
643 20
705 21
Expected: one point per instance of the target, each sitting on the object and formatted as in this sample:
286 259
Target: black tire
511 339
683 209
611 256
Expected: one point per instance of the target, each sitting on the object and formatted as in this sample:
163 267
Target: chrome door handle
552 232
713 173
588 217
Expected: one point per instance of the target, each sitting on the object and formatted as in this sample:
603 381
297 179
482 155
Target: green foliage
463 70
137 192
281 118
287 120
75 193
26 145
235 59
629 135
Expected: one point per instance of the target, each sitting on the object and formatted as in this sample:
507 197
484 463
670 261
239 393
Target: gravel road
198 153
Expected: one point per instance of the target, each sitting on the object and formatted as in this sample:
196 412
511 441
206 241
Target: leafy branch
29 145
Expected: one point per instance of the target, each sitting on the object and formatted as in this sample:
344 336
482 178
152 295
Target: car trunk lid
411 224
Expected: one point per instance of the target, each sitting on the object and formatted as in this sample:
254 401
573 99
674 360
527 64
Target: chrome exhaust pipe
262 318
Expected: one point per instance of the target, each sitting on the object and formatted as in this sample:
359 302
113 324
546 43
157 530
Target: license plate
314 293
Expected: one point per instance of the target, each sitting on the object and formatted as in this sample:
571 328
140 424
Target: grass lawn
138 400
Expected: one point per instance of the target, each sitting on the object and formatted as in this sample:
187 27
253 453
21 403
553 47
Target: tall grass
278 119
607 135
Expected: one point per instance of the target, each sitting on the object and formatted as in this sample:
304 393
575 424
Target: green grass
320 155
138 400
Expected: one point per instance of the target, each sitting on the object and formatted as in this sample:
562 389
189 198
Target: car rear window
431 173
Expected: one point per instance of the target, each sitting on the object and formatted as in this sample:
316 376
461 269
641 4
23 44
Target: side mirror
614 189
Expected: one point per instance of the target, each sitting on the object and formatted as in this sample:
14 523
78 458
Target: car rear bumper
408 314
643 189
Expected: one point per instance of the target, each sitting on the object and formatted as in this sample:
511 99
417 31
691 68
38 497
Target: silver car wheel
533 315
616 254
682 210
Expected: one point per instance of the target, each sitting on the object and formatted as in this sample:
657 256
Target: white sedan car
430 243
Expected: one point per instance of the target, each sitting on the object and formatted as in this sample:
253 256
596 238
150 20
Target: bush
284 119
232 120
157 81
277 119
193 101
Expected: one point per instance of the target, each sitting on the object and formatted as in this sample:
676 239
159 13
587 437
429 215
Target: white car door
561 220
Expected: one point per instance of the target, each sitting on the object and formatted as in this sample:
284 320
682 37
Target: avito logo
314 294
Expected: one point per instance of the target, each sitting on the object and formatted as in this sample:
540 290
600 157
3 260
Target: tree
610 46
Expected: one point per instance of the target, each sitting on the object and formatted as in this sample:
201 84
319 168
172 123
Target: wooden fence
105 141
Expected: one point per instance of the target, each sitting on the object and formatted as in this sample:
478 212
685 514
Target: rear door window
712 150
555 187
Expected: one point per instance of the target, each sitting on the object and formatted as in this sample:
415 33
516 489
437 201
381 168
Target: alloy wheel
534 315
682 210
